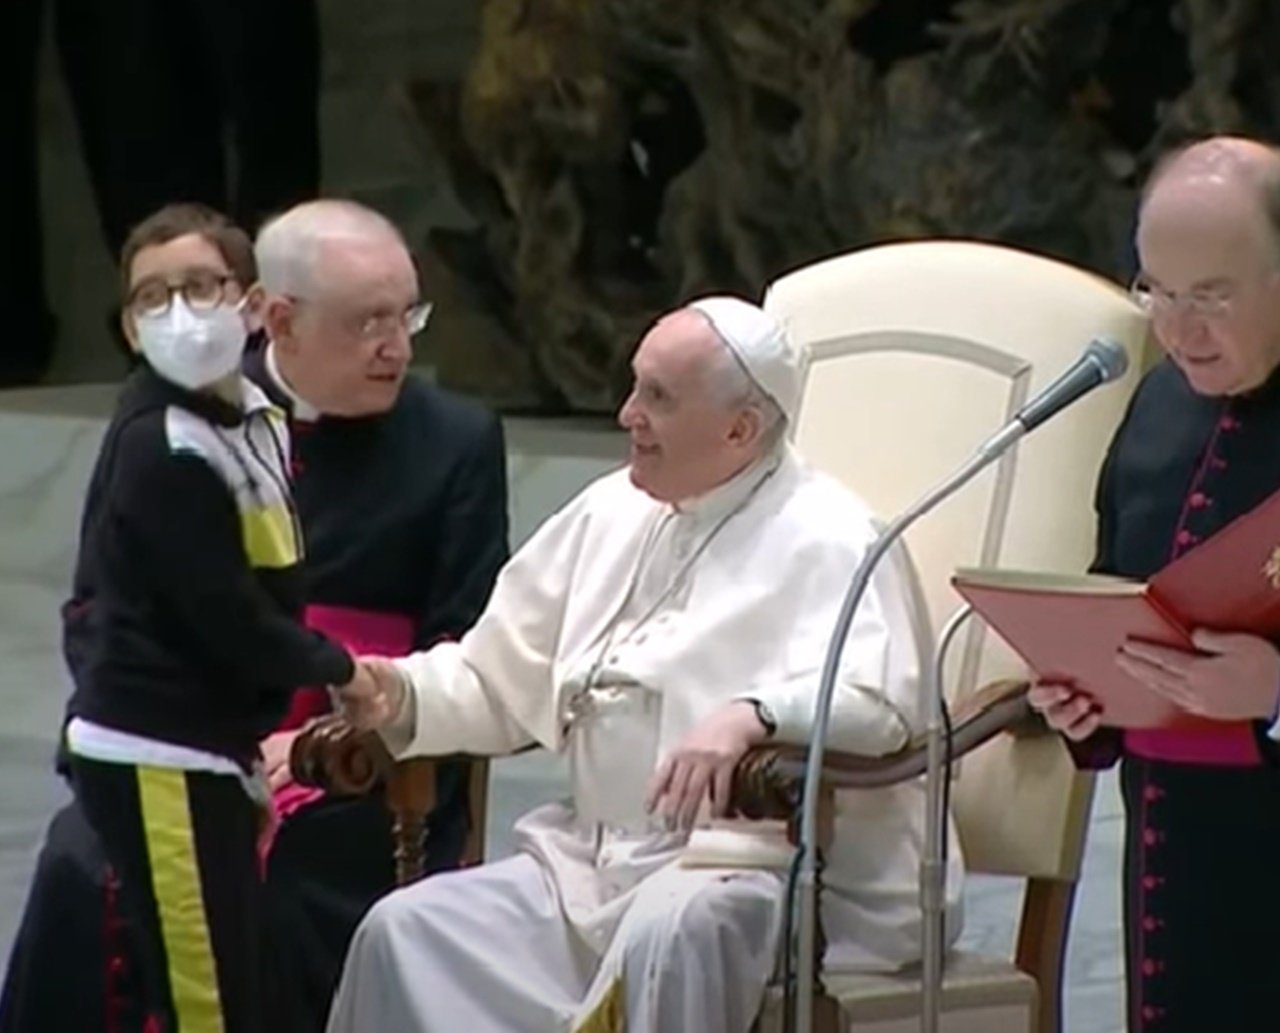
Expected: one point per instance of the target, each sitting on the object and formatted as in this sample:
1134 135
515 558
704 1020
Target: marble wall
44 465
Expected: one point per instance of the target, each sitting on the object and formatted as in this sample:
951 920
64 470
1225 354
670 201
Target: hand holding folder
1071 628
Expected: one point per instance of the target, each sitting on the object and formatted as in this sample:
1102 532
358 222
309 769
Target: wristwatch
764 714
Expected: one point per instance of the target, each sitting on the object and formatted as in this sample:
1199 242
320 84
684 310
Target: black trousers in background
193 100
175 100
183 844
27 346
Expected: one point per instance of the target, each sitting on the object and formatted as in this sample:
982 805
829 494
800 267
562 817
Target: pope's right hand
1075 714
372 698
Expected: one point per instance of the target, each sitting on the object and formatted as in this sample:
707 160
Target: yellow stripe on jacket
269 537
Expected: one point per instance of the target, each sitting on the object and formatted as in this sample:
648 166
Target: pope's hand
372 698
703 764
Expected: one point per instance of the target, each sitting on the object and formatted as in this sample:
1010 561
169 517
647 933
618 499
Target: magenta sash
1232 745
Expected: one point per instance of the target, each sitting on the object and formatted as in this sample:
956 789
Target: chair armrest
330 754
769 780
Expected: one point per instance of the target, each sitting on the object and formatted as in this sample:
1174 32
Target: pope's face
1209 278
684 439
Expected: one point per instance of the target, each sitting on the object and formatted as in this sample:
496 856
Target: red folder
1071 627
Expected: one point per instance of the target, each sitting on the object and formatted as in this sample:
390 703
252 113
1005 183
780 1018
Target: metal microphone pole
933 865
806 880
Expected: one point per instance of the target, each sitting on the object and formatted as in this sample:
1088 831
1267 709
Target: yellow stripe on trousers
175 879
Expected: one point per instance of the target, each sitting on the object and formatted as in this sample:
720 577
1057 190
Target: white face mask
193 348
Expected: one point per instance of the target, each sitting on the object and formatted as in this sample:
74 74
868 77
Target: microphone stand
806 880
1103 361
933 865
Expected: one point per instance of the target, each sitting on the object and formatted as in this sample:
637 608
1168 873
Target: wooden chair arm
329 754
769 780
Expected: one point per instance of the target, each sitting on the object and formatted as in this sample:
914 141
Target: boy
182 635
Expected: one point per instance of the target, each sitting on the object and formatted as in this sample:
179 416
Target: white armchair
915 353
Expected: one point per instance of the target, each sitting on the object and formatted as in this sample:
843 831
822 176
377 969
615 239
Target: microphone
1102 362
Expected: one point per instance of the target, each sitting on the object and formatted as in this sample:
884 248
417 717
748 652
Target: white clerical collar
732 493
302 409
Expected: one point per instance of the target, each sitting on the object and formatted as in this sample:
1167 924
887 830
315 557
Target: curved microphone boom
1102 361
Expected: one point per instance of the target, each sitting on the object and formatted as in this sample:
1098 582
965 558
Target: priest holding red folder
1199 447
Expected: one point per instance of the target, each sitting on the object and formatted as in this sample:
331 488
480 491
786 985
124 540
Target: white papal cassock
618 627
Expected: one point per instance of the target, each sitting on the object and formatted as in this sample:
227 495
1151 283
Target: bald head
289 248
1209 243
1211 170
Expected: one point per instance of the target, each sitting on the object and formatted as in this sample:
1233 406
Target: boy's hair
178 220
